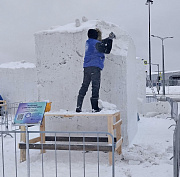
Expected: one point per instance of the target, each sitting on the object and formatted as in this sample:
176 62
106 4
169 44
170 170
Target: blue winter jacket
92 56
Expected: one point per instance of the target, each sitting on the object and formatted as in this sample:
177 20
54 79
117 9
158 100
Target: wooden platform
111 127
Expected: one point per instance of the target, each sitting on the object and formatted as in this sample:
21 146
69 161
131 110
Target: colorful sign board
30 113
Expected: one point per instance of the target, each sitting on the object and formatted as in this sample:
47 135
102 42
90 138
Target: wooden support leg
42 135
118 134
23 139
110 130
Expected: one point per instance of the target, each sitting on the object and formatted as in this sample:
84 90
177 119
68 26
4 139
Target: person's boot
94 104
79 103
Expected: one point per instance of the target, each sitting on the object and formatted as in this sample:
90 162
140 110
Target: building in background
172 78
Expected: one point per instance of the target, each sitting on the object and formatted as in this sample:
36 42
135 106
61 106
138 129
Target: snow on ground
148 155
151 149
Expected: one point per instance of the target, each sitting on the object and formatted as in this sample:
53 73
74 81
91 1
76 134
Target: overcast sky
20 19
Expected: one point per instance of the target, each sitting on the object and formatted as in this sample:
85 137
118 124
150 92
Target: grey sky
20 19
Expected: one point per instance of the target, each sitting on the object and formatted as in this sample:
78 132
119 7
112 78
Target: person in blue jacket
95 49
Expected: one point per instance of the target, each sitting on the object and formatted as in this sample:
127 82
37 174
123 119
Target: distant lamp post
162 39
158 77
158 69
149 2
157 84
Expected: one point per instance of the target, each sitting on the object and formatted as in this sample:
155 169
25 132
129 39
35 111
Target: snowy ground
149 155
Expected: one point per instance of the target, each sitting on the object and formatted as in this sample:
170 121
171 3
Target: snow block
18 82
60 52
141 85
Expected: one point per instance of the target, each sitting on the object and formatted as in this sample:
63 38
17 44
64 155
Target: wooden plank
118 144
35 140
118 123
23 139
89 147
115 113
118 133
77 139
110 130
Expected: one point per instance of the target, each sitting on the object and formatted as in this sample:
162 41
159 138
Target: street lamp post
162 39
158 69
149 2
157 77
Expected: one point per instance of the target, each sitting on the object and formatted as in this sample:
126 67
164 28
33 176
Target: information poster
30 113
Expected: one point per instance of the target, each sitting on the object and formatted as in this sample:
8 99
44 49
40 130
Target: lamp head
149 1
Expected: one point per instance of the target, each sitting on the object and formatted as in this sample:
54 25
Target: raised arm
104 46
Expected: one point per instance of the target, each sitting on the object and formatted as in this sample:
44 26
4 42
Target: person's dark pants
91 74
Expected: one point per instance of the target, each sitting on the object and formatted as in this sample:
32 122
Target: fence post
27 151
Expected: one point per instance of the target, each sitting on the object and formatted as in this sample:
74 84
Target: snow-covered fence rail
54 162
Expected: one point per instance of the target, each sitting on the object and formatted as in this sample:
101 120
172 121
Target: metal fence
176 136
150 99
10 153
11 166
174 108
168 82
7 115
176 149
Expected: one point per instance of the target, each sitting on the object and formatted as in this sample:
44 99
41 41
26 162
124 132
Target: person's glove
112 36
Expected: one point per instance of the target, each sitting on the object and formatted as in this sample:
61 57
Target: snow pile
17 65
151 151
106 106
147 155
155 108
